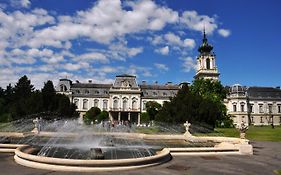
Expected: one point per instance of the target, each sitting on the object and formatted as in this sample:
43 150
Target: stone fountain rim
20 152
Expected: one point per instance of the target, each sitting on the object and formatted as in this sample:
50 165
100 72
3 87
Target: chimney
90 81
143 82
156 82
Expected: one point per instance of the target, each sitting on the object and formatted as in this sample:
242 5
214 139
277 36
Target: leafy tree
65 108
91 115
200 103
48 96
145 117
152 109
102 116
208 89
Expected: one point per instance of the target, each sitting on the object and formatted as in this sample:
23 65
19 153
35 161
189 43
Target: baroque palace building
125 99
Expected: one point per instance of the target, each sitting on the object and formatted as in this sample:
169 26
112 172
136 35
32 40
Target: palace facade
125 99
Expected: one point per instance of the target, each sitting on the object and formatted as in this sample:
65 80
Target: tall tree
23 88
152 109
48 95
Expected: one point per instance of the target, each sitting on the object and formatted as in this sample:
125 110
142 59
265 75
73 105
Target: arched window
125 104
85 104
242 105
234 107
115 103
104 105
96 103
208 66
63 88
76 102
134 103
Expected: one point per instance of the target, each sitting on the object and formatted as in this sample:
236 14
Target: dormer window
154 93
77 92
87 91
97 92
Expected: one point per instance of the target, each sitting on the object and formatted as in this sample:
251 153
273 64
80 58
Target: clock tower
206 61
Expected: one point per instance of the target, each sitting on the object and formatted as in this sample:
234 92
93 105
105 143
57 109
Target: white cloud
224 32
174 41
161 67
93 56
163 50
189 43
192 20
20 3
106 21
188 64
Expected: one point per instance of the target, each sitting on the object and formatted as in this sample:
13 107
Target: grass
277 172
256 133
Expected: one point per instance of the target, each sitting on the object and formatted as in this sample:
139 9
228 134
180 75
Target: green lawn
277 172
257 133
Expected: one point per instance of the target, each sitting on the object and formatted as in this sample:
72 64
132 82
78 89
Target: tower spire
205 46
204 33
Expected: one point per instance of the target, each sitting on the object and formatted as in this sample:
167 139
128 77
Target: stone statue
37 125
243 128
187 125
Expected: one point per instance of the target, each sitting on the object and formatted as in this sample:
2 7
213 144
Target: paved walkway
266 159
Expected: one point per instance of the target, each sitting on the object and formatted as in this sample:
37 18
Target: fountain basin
24 156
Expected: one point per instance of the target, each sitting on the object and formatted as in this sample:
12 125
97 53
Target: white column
119 116
110 116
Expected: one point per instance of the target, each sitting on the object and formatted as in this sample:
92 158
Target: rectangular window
252 108
261 120
85 104
260 108
234 108
144 105
279 108
252 119
270 108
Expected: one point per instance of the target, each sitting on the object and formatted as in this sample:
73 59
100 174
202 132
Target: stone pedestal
246 149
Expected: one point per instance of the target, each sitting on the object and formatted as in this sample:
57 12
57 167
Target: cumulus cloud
163 50
20 3
39 43
174 42
188 64
192 20
224 32
93 56
161 67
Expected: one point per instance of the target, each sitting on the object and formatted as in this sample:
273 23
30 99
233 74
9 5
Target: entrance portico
133 117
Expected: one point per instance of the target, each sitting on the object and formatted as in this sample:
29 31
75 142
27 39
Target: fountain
66 145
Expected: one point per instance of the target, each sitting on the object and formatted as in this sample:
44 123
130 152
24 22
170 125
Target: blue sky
154 40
